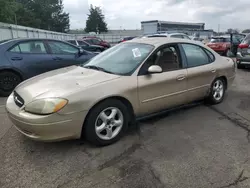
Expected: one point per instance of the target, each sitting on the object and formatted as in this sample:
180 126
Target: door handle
181 77
213 70
57 58
16 58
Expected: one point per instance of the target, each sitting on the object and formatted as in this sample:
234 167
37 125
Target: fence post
11 30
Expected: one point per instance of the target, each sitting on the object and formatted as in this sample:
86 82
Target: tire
239 66
8 81
106 123
218 86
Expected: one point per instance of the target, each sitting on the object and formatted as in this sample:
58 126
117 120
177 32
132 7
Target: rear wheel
106 123
8 81
239 66
217 91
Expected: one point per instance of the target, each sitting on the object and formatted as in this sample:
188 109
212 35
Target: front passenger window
62 48
167 58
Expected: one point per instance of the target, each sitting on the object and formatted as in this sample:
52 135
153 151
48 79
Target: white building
156 26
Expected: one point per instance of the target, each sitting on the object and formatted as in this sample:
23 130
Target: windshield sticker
136 52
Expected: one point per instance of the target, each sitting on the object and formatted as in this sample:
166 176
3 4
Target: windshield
121 59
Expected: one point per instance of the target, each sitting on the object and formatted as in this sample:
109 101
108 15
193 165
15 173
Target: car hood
61 82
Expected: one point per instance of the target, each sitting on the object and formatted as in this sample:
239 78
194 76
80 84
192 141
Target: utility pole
218 28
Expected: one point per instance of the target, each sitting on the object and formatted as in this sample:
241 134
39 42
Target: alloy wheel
109 123
218 90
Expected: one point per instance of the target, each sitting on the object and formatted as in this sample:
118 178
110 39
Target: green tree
60 19
7 11
42 14
96 21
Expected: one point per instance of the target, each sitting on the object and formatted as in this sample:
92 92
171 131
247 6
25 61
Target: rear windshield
216 40
246 40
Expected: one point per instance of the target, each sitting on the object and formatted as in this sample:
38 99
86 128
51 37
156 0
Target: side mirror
81 51
154 69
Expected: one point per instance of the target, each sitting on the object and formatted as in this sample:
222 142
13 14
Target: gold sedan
99 99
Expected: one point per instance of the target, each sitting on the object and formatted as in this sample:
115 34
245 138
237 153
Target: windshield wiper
98 68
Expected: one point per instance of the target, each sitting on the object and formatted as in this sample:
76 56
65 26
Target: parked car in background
86 46
24 58
243 53
97 41
223 46
197 39
101 98
126 39
220 44
171 35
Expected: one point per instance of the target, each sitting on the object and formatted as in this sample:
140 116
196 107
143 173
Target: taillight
243 46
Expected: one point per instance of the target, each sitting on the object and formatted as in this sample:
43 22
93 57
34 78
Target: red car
97 41
220 44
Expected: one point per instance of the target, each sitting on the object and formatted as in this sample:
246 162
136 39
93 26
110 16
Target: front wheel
8 81
239 66
106 123
217 91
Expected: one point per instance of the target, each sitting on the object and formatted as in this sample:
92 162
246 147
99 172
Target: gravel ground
199 146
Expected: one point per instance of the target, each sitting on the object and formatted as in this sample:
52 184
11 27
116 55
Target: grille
18 99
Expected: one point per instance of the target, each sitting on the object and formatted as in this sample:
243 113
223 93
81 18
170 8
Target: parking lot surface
199 146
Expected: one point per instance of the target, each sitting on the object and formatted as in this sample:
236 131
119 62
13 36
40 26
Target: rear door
64 54
31 57
200 72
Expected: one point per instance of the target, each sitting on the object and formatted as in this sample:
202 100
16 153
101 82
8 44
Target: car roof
30 39
158 41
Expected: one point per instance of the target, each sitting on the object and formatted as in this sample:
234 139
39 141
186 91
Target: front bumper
54 127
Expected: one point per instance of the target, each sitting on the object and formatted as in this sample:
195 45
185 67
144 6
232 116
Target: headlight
46 106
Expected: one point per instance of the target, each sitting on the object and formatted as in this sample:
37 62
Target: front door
162 90
200 72
64 54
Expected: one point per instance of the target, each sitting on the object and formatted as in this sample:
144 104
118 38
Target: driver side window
58 47
166 57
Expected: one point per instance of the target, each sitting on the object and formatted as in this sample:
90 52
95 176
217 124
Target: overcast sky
127 14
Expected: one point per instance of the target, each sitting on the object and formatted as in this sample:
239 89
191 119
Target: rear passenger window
196 56
31 47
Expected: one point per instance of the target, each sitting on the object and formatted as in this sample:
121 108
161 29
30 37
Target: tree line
42 14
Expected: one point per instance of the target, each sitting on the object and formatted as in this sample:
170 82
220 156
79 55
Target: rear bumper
241 60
